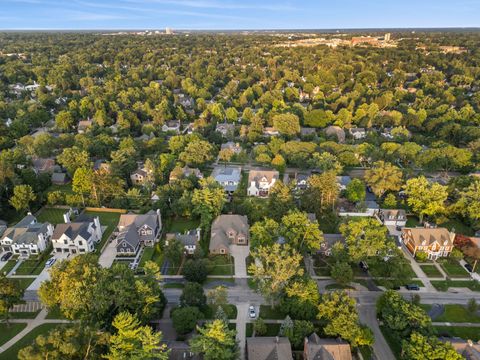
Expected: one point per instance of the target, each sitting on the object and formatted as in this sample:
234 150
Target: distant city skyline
235 14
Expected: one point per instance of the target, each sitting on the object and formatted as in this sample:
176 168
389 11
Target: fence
102 209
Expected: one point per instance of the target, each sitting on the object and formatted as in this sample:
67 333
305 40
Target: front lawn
32 266
24 315
9 266
230 311
52 215
55 313
108 219
395 345
269 313
23 283
220 265
443 285
457 314
12 352
146 256
272 329
431 271
466 333
173 285
9 331
453 268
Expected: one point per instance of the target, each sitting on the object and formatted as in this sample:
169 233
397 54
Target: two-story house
135 231
77 237
317 348
189 240
436 242
393 217
172 126
28 237
261 181
228 176
227 130
228 230
180 173
141 176
358 133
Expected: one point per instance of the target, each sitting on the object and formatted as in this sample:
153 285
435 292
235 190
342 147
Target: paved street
242 315
368 316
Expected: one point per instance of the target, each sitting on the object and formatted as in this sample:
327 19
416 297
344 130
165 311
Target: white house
172 126
260 182
393 217
78 237
228 176
358 133
28 237
189 240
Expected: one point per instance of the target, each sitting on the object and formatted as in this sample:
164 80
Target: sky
236 14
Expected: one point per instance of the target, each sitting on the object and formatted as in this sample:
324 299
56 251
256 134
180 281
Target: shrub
185 319
195 270
421 256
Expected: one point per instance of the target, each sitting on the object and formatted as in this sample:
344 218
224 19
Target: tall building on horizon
169 31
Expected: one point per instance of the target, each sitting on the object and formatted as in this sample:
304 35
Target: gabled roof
72 230
26 231
269 348
257 175
224 223
429 236
43 165
130 224
327 349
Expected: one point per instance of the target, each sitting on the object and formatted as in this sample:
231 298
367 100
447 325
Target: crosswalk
29 306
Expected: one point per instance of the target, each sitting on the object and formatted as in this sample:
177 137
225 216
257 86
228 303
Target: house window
65 242
58 250
80 243
122 250
149 232
124 244
34 251
222 251
82 250
241 240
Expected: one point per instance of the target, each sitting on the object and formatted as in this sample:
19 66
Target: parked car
6 256
414 287
468 267
50 262
251 312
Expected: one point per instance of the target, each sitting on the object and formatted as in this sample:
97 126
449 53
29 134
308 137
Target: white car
50 262
251 312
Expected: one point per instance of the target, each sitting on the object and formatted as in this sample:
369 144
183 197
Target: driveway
108 255
242 317
240 254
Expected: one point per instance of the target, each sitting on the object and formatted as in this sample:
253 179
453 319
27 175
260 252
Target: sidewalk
418 271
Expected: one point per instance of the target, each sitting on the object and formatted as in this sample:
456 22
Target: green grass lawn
146 256
67 188
23 283
272 329
395 345
12 352
453 268
31 266
412 221
269 313
55 313
9 331
24 315
251 284
173 286
425 307
466 333
249 330
338 286
443 285
459 226
431 270
366 352
106 219
457 313
51 215
220 265
181 225
230 310
212 279
9 266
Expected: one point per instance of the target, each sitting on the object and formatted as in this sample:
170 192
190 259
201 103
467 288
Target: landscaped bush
421 256
185 319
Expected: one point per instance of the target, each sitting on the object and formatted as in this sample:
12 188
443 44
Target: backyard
180 225
52 215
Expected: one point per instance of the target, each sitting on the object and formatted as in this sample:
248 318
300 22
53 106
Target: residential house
436 242
235 147
43 166
260 182
467 348
301 181
228 176
84 126
268 348
387 133
77 237
343 182
59 178
227 130
101 165
307 131
270 131
317 348
395 217
335 131
186 101
172 126
189 239
135 231
180 173
329 241
358 133
228 230
141 176
180 350
27 237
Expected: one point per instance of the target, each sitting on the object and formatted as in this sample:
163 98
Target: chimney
470 342
98 227
66 217
277 339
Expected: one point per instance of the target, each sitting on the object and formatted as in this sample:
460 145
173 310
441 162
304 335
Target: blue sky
237 14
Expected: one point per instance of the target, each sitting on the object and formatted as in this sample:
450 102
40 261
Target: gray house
135 231
229 177
228 230
269 348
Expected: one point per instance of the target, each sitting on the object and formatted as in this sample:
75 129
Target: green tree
300 232
280 200
390 201
197 153
185 319
64 120
73 342
264 233
10 295
286 327
225 155
193 295
174 252
215 342
277 266
339 312
195 271
22 196
383 177
301 329
355 191
365 238
420 347
301 299
342 273
218 296
287 124
259 327
469 202
425 198
208 201
74 158
133 341
322 192
391 271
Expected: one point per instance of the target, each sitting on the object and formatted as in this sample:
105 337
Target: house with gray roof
260 181
228 176
235 147
189 240
329 241
269 348
59 178
43 165
28 237
225 129
228 230
467 348
317 348
135 231
77 237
